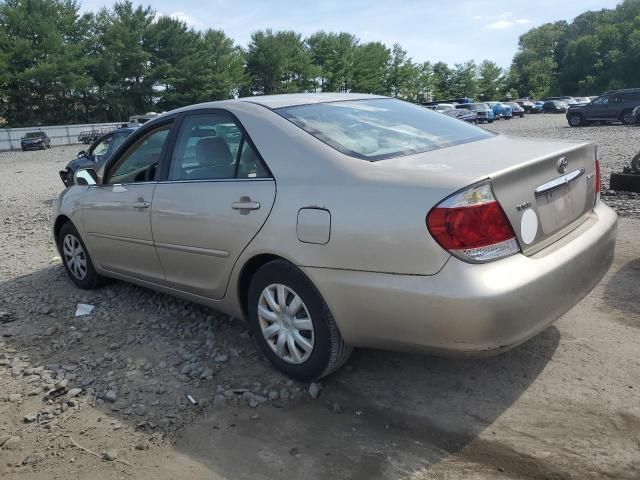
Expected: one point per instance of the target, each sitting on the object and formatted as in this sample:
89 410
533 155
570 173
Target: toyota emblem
563 163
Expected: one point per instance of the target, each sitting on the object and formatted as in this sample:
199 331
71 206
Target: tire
626 117
575 120
327 351
91 279
635 163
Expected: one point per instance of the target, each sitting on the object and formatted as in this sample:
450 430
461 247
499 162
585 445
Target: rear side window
377 129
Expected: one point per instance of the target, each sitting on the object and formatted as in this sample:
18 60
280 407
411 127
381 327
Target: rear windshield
377 129
33 135
477 106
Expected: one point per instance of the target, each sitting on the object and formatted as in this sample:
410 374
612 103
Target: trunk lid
545 187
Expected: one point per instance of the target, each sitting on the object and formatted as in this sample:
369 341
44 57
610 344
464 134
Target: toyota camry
334 221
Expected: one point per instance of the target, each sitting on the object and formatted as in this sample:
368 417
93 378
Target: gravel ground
617 145
105 396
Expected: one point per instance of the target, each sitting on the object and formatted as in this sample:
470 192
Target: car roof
623 90
294 99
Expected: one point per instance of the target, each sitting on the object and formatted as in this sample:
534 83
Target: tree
42 69
400 72
333 55
464 81
442 77
490 80
279 63
370 68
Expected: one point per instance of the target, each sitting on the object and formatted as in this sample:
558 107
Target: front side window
601 101
377 129
139 163
102 147
211 146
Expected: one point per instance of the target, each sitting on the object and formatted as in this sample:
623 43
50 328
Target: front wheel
76 259
627 117
292 324
575 120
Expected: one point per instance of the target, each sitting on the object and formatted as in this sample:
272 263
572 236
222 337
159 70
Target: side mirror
82 153
85 176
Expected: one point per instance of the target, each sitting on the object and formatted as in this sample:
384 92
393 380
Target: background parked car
98 153
615 106
501 110
538 106
516 109
462 114
35 141
482 110
554 106
567 100
444 106
526 104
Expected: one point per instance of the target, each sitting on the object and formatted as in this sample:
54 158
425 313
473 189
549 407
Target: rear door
215 196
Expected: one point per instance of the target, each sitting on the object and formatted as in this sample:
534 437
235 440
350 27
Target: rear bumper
470 309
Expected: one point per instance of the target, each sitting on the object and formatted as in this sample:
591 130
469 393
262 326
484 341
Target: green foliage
598 51
57 66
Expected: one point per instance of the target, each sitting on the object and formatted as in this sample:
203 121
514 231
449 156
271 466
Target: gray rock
3 438
110 455
221 358
273 395
140 410
35 391
111 396
15 397
74 392
314 390
33 458
50 331
13 443
142 445
219 401
206 373
31 417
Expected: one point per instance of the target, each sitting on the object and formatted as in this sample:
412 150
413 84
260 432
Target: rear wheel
575 120
627 117
76 259
292 324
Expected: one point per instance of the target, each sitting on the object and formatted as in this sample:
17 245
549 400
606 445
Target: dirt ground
564 405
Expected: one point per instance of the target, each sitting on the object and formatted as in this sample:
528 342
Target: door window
139 163
212 147
601 101
102 147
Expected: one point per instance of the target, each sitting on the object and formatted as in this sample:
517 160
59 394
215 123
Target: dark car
482 110
462 114
615 106
35 141
516 109
555 106
98 153
526 104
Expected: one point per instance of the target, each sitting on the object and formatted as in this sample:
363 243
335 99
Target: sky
452 31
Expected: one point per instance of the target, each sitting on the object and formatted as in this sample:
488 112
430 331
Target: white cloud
505 15
181 16
502 24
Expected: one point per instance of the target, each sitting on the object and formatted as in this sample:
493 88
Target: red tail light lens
472 226
598 176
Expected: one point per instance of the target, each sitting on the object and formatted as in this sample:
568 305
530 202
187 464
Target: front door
216 197
117 213
599 109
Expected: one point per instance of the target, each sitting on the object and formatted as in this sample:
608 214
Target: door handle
141 204
245 203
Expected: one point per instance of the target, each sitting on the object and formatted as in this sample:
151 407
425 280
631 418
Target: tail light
598 178
472 226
